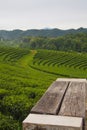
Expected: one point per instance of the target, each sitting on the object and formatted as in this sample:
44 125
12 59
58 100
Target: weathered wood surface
71 80
65 102
86 116
52 99
51 122
74 100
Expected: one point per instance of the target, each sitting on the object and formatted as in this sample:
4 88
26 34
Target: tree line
70 42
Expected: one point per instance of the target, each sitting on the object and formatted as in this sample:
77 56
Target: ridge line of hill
15 34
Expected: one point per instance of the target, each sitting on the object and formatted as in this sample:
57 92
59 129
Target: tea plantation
69 64
26 74
20 86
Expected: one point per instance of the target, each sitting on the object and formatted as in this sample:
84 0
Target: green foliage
70 42
17 106
20 86
7 123
69 64
3 93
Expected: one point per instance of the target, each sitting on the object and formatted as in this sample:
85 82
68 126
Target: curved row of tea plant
64 63
12 54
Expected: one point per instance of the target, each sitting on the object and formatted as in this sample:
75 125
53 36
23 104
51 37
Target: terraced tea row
67 59
12 54
67 64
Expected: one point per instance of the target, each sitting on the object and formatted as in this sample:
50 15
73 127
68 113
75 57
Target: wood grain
74 100
52 99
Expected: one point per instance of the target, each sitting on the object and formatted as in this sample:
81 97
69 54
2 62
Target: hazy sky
30 14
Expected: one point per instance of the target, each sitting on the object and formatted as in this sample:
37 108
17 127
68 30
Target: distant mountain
15 34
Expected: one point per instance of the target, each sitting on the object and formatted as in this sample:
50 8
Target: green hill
15 34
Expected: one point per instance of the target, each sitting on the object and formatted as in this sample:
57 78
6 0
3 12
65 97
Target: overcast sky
37 14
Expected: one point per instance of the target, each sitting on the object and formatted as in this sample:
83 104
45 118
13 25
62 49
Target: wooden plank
52 122
72 80
51 100
74 100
